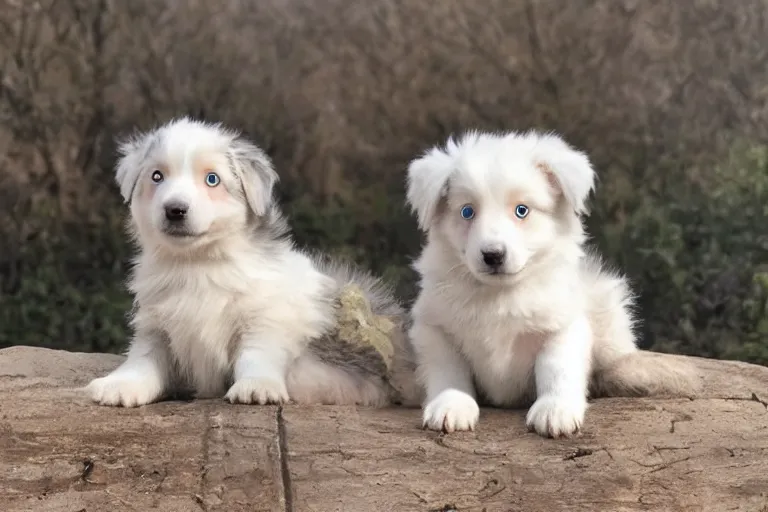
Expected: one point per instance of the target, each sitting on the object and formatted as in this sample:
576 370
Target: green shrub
70 291
372 228
694 245
697 251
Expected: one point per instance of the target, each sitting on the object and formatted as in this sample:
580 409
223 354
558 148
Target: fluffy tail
643 373
620 369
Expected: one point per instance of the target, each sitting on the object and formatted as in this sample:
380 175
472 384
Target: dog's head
501 200
191 183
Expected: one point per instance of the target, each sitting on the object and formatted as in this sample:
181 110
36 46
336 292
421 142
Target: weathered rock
59 452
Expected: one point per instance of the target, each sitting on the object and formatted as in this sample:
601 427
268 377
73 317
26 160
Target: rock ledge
58 452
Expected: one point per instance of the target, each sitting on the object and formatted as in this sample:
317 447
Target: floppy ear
428 184
133 153
254 170
569 170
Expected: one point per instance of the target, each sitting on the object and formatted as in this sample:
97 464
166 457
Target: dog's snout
176 211
494 257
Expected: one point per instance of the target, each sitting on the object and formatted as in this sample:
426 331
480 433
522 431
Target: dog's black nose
494 258
176 212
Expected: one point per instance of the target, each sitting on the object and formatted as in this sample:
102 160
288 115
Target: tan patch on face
514 199
147 187
202 167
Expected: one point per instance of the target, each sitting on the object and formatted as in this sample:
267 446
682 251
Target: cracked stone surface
58 452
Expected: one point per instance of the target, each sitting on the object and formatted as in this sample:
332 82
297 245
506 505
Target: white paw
556 416
125 390
263 390
451 410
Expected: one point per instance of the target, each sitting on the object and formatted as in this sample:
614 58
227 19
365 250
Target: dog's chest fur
501 331
204 310
201 320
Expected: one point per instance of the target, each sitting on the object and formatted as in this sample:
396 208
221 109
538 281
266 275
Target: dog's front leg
562 372
447 378
142 378
260 368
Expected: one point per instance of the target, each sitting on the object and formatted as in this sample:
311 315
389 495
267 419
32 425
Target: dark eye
157 176
521 211
212 179
467 212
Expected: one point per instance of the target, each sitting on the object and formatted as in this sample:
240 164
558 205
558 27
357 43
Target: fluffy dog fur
224 303
512 305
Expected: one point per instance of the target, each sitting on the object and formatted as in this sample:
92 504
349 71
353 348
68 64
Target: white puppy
511 304
223 301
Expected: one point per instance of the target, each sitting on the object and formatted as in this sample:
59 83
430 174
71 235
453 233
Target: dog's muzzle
176 212
494 259
175 224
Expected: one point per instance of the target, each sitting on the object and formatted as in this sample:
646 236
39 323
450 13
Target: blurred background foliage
669 99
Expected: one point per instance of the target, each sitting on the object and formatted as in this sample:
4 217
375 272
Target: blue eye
521 211
467 212
212 179
157 176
